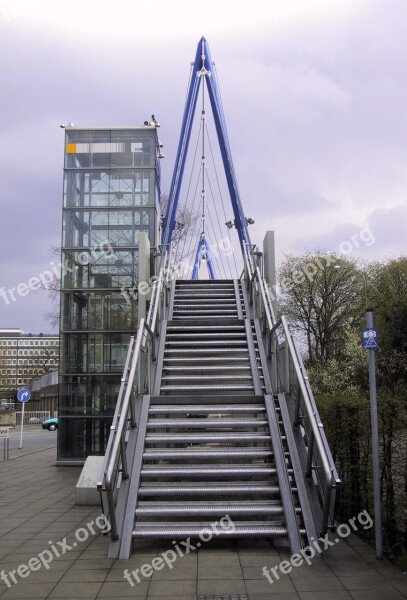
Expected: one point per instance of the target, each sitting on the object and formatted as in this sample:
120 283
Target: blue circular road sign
23 395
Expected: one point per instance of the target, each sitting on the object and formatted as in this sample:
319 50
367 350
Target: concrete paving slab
38 506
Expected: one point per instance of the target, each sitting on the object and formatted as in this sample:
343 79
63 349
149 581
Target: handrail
115 461
157 294
317 444
107 481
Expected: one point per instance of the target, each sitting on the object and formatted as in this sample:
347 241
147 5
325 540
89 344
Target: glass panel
121 148
128 187
80 438
95 352
98 311
90 269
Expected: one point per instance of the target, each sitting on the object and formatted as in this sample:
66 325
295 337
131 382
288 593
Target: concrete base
86 493
7 418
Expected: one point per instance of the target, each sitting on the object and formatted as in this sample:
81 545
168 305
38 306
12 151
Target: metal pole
22 425
375 444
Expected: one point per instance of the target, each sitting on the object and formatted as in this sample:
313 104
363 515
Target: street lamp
369 343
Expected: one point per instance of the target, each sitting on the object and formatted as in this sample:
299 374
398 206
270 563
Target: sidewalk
37 510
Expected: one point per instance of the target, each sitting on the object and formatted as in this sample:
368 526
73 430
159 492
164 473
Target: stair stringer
160 358
128 501
307 495
300 452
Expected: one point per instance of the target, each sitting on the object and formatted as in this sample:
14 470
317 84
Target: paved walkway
37 510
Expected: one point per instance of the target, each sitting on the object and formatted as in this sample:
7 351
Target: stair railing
136 382
288 374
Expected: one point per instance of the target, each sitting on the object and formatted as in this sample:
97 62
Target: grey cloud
309 109
385 235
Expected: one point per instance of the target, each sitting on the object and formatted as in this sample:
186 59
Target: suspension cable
181 254
221 199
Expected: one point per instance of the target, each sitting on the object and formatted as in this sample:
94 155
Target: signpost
370 342
4 435
23 396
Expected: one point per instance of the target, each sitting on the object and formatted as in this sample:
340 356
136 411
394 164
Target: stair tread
206 387
210 487
206 453
170 509
205 469
187 437
208 368
199 343
221 350
208 422
175 530
214 408
206 377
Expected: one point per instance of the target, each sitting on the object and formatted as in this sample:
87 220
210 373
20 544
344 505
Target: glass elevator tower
111 194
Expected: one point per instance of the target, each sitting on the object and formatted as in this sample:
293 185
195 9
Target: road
32 437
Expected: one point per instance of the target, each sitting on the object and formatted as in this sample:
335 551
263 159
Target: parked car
34 421
50 424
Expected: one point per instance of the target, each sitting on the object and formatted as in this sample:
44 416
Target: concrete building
44 393
24 357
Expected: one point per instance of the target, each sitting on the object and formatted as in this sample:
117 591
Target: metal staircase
206 349
211 437
215 414
208 437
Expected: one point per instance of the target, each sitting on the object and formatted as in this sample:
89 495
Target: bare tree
53 287
321 295
186 220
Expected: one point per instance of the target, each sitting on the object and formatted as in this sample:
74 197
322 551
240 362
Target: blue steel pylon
203 253
203 67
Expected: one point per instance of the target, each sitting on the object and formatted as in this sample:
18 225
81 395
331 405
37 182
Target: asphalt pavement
33 436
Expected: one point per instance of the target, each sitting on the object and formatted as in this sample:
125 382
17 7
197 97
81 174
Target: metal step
186 313
207 438
199 359
208 453
160 509
204 470
210 350
202 286
207 423
210 489
212 315
206 388
197 307
218 399
204 368
175 530
207 334
206 377
206 408
193 300
212 343
205 327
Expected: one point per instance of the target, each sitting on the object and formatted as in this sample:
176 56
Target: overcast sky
315 96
